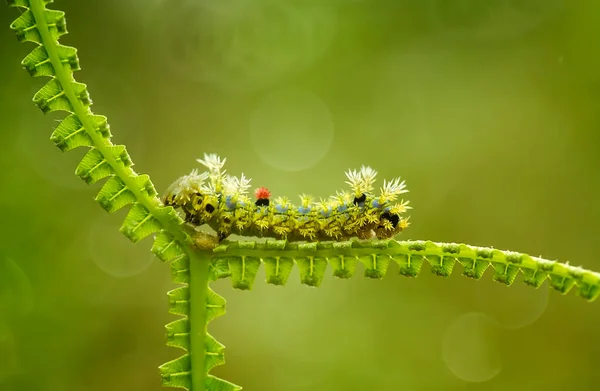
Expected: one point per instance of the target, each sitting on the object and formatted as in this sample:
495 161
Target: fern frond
147 216
82 128
244 259
186 333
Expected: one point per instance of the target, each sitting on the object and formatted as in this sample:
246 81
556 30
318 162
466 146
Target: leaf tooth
114 195
473 267
588 290
37 63
216 384
70 134
179 301
219 268
177 373
52 97
312 269
561 283
343 266
180 270
26 29
144 184
410 264
93 167
166 247
243 271
214 352
139 223
441 265
120 154
375 265
178 334
215 305
278 269
534 277
505 273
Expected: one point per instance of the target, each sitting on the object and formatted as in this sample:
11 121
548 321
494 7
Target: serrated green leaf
534 277
216 384
588 291
70 133
214 352
312 270
343 266
179 301
171 216
561 283
441 266
37 63
51 97
25 28
180 270
177 373
219 268
375 265
166 247
505 273
119 153
243 271
410 265
114 195
93 167
215 305
178 334
473 268
145 185
139 223
278 269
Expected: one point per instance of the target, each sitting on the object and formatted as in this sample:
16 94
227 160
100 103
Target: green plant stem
152 204
313 258
198 288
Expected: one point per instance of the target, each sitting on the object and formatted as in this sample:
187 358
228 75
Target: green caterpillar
221 201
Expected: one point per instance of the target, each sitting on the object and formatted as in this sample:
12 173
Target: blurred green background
488 109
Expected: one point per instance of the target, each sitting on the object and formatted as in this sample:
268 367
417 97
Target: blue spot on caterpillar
222 202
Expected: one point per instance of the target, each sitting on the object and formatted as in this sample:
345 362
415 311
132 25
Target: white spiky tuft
243 184
392 189
216 174
236 185
183 188
213 162
368 176
361 181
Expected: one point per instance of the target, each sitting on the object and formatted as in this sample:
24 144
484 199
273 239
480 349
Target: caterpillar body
221 201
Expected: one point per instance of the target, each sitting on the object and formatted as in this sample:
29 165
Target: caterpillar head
197 200
210 196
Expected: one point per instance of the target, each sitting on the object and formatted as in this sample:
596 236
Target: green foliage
313 258
195 267
147 216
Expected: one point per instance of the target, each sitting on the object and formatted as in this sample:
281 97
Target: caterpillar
221 201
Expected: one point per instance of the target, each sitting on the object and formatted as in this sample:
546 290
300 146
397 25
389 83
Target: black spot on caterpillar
221 201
